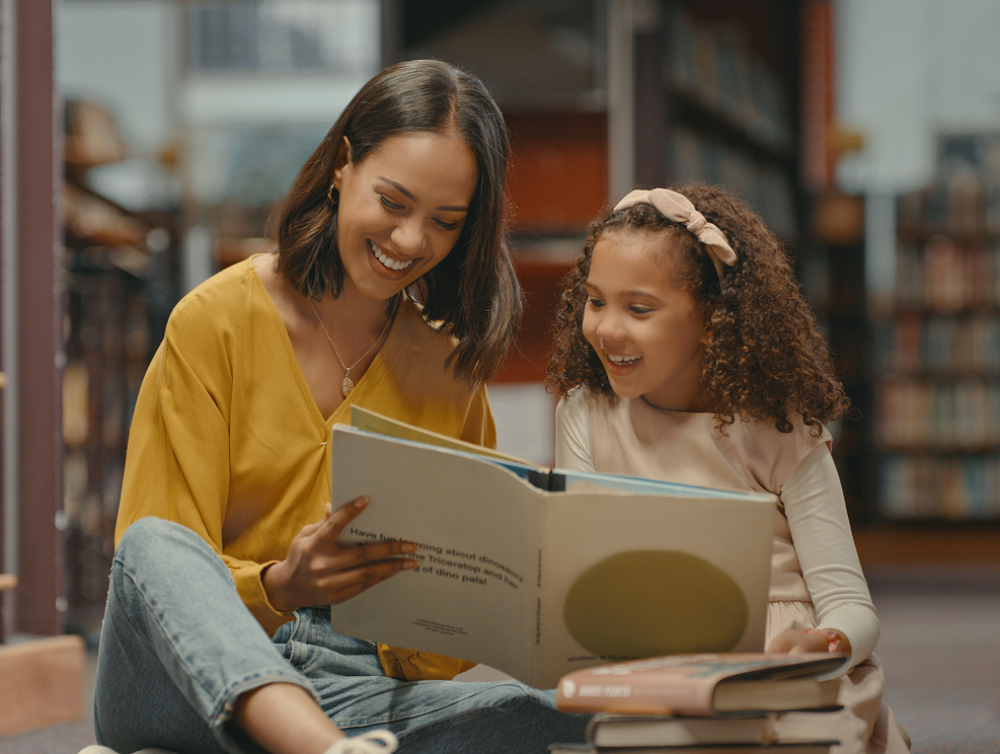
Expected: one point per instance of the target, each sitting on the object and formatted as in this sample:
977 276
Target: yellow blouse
227 439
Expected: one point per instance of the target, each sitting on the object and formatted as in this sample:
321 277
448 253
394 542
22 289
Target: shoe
375 742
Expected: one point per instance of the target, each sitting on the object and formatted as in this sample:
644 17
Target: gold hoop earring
329 195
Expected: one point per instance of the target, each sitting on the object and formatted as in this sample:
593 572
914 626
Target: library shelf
937 349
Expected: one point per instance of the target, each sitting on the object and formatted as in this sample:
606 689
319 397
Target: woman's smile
402 208
387 263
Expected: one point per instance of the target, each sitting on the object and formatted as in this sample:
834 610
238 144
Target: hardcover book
775 748
613 730
706 685
538 572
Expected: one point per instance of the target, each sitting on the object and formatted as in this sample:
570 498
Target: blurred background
145 144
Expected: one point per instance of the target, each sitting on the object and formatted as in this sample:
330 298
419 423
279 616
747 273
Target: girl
685 352
217 631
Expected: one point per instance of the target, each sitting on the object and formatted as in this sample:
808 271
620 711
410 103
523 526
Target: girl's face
646 330
402 209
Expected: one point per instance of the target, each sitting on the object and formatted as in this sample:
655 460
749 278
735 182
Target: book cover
613 730
537 582
712 684
775 748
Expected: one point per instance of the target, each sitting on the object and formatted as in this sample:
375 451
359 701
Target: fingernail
409 547
361 502
410 564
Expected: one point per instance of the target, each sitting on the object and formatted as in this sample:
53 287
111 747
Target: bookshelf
716 94
720 87
833 271
937 351
119 290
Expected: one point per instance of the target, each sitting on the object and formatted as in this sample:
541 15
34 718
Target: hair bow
679 208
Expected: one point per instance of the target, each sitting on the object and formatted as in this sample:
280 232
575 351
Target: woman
225 538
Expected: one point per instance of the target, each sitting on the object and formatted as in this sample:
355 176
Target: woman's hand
318 572
800 642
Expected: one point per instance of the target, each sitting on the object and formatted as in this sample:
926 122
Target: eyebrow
644 294
412 197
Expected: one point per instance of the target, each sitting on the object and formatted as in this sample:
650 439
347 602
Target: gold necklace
347 385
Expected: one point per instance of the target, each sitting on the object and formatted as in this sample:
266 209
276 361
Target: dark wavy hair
474 291
764 356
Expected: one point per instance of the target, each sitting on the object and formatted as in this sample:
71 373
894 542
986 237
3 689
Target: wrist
275 585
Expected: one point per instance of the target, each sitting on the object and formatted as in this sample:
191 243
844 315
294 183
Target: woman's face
646 330
402 209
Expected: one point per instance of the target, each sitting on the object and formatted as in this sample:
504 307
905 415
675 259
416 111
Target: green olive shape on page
644 603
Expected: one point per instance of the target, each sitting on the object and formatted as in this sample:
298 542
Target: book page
476 524
370 421
590 481
632 576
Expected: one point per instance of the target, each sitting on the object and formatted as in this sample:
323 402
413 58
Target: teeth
623 360
392 264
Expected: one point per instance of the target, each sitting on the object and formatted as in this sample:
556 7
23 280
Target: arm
817 517
573 432
179 467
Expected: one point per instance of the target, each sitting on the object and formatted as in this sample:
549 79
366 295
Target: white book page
477 526
626 576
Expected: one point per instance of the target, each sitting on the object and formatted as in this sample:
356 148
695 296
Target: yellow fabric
227 439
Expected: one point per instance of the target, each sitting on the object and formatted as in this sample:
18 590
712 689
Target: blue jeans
178 647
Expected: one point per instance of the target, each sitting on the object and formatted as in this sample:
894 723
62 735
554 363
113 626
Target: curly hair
764 357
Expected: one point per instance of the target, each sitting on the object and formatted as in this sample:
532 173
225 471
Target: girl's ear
340 162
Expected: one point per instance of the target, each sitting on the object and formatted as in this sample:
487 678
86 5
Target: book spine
609 694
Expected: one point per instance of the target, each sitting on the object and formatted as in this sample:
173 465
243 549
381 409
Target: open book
538 572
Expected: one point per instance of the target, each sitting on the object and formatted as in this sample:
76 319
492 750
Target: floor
940 646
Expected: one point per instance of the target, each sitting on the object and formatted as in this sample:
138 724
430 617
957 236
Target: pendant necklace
347 385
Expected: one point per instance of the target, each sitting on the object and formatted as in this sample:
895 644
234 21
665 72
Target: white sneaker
375 742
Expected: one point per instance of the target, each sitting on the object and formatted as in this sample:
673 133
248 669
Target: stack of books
734 703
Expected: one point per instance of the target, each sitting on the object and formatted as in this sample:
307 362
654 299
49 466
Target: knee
512 696
149 531
155 545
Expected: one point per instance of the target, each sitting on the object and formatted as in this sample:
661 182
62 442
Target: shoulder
573 410
576 401
771 454
573 448
225 296
765 431
221 317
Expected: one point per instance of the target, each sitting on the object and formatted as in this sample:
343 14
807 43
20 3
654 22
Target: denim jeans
178 647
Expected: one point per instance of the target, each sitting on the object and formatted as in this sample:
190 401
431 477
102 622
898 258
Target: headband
679 208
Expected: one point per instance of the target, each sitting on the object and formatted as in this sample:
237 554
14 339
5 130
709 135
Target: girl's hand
318 572
801 642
